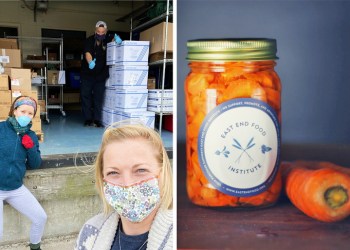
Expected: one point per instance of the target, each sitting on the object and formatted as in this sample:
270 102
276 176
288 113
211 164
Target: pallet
40 136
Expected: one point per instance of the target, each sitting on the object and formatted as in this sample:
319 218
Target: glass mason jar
233 117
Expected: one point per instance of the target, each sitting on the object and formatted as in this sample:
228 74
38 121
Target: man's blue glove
117 39
92 64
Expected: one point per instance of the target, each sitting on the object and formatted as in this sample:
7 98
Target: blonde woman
134 180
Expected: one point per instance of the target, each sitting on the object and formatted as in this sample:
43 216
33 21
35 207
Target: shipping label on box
4 82
156 36
5 97
10 58
31 93
61 77
131 77
126 100
20 78
128 53
157 93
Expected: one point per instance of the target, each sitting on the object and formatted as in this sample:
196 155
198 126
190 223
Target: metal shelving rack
165 16
44 75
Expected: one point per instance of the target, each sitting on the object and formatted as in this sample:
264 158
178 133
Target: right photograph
263 134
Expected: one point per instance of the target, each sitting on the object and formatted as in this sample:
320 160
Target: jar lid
232 49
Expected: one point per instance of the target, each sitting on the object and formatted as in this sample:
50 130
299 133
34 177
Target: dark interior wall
313 46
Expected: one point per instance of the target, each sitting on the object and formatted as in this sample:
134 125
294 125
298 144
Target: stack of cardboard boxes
126 89
15 81
157 36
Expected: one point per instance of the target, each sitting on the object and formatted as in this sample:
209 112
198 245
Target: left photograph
86 125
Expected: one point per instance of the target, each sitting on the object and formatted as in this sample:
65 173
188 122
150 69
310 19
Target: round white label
239 146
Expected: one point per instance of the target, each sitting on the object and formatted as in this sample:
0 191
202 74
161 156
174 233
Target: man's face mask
100 37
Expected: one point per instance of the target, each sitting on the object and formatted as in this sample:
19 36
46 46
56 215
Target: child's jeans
23 201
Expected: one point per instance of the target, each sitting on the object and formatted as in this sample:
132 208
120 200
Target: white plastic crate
127 100
128 77
158 101
109 116
157 108
157 93
128 53
146 117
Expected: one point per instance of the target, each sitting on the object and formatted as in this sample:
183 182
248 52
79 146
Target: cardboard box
158 101
157 93
11 58
146 117
5 97
6 43
151 83
36 124
42 105
4 111
31 93
126 100
128 77
128 53
158 108
109 116
71 98
38 111
4 82
52 56
34 61
20 78
156 35
159 56
52 77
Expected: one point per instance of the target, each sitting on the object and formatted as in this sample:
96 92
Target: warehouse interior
50 36
41 46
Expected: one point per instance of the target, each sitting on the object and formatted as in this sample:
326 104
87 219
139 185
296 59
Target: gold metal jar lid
251 49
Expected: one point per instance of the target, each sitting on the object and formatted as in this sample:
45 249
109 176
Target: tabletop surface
281 226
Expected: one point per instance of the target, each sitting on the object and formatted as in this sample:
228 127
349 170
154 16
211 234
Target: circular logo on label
239 146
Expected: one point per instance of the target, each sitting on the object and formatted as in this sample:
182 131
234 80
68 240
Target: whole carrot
322 193
323 164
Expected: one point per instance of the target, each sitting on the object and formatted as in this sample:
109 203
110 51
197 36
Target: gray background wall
313 42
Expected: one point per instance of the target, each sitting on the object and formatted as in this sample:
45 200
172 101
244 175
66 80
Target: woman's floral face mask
134 202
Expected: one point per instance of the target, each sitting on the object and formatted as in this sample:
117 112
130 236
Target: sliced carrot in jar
230 80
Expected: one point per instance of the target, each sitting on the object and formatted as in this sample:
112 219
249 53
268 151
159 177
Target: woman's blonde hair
120 132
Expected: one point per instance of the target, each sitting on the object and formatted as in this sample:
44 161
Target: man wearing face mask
19 151
94 73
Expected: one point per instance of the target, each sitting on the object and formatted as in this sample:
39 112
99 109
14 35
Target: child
134 180
19 150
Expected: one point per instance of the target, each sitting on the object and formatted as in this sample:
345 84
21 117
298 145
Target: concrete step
61 242
68 196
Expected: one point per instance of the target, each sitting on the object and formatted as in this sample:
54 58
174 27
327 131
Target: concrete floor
61 242
67 135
